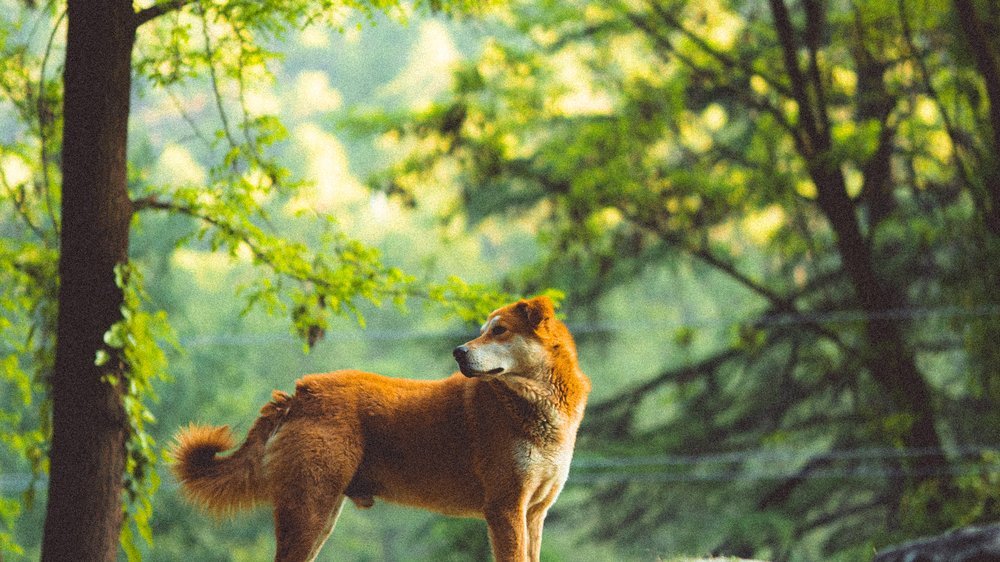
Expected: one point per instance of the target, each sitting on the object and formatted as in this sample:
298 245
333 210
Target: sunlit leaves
27 323
470 302
134 360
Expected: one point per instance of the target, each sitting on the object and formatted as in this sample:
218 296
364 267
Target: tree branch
624 402
267 256
156 10
786 37
814 32
44 121
718 55
214 77
740 92
925 77
988 63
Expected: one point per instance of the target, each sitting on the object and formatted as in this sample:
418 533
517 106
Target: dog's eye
498 330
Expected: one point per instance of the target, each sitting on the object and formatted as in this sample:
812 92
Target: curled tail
222 485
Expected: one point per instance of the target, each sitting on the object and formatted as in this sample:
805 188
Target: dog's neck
530 405
568 386
554 394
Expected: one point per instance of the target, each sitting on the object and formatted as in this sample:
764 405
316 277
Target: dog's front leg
536 518
508 531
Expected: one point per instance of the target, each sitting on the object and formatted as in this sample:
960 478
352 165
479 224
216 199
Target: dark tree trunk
89 429
986 53
890 359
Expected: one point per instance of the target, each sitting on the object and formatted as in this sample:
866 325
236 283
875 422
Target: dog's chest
548 459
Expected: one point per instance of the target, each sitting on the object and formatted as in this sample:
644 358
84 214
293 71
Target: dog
493 441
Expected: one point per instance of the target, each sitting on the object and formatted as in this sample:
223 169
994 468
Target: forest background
775 228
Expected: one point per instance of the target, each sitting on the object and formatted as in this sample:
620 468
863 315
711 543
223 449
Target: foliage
133 344
220 47
819 176
28 263
832 161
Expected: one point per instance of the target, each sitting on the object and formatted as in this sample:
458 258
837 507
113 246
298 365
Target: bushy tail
222 485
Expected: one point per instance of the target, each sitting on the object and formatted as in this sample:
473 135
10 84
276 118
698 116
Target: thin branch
879 502
925 77
43 116
244 107
718 55
779 302
17 194
814 32
186 117
686 373
156 10
263 255
987 60
213 75
783 26
741 92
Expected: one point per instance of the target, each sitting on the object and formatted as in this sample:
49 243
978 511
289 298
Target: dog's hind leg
310 472
303 524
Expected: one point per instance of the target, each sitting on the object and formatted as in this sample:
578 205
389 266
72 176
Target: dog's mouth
470 372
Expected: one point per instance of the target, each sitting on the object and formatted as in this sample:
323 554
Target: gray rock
970 544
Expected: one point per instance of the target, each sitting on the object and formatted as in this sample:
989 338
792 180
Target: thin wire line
831 317
583 472
786 454
855 473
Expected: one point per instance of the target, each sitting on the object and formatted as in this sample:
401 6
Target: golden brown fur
494 443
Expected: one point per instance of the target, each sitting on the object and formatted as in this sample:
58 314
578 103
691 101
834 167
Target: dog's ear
535 311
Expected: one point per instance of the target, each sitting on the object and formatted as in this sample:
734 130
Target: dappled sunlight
331 183
714 117
205 268
853 179
578 95
315 37
176 166
428 68
14 171
805 188
844 79
262 101
760 226
693 134
313 94
939 144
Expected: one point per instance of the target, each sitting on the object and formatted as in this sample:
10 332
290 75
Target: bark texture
84 512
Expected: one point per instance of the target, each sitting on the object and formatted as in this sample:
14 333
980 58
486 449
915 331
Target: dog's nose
460 352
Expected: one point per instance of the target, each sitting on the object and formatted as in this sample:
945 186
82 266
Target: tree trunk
89 429
985 52
891 361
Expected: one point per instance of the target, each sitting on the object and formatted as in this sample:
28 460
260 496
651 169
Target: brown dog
494 444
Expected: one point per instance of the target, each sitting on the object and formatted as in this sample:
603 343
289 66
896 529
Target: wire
664 468
733 476
705 468
784 454
804 318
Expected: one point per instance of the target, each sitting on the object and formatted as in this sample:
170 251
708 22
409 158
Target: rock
971 544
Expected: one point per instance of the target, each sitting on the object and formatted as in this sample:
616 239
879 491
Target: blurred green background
782 284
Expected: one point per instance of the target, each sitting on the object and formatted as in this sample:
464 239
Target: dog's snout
460 352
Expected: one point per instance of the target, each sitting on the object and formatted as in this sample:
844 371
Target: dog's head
510 342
